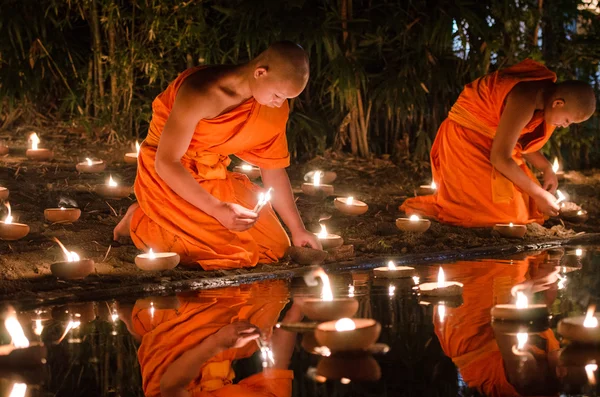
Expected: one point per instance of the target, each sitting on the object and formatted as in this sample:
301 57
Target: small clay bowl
130 158
397 272
419 226
113 192
39 154
318 191
306 255
359 367
3 150
64 215
320 310
4 193
356 208
13 231
331 241
72 270
425 190
509 312
576 216
252 174
365 335
515 327
572 329
161 261
96 167
514 231
327 177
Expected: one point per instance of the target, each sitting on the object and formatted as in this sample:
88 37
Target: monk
499 122
188 202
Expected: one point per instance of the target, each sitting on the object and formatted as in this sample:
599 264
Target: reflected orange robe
166 222
471 192
466 335
167 334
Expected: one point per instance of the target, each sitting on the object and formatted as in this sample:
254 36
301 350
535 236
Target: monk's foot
122 229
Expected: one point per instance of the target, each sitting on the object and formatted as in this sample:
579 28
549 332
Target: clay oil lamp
350 206
62 215
326 176
20 353
157 261
413 224
329 241
346 367
511 230
132 158
441 288
317 188
3 149
3 193
10 230
35 153
263 199
520 311
74 267
327 307
572 212
427 190
251 171
560 175
393 271
348 334
90 166
581 329
112 190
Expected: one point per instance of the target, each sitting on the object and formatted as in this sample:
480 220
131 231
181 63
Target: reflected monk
188 202
478 159
189 350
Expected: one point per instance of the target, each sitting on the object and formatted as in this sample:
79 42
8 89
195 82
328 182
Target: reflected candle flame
391 290
522 338
442 312
34 141
326 292
441 278
590 320
578 252
111 182
349 200
510 224
350 291
18 390
345 324
89 161
38 328
152 309
433 185
8 220
391 265
246 167
12 325
522 302
589 371
416 280
317 178
555 165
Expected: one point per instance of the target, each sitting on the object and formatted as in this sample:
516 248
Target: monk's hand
235 217
547 203
236 335
550 180
304 238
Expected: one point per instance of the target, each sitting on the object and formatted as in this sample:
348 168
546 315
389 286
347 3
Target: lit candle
62 215
571 212
425 190
521 310
157 261
327 307
326 177
131 158
250 171
90 166
441 288
555 166
511 230
329 241
350 206
348 334
73 267
393 271
36 153
20 353
10 230
581 329
560 196
317 188
413 224
112 190
4 192
263 199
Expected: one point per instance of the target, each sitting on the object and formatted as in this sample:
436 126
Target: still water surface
426 348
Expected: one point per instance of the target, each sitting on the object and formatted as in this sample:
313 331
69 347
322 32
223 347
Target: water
425 348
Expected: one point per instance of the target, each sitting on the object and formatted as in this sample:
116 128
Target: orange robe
166 222
466 334
471 192
169 333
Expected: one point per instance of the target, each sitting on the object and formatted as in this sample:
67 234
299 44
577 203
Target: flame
433 185
555 165
511 224
589 371
62 208
18 390
89 161
416 280
391 290
561 196
34 141
442 312
317 178
247 167
137 148
323 233
441 278
522 302
413 218
19 340
326 292
70 255
152 310
350 291
8 220
111 182
345 381
391 266
38 328
521 340
349 200
590 320
114 317
345 324
151 254
578 252
580 212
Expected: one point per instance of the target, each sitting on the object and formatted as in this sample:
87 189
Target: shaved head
578 95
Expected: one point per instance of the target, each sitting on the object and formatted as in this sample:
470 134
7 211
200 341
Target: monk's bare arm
538 160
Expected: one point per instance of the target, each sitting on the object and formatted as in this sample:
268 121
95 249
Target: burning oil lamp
12 231
581 329
346 367
157 261
350 206
348 334
571 212
441 288
73 267
325 176
521 311
38 154
393 271
329 241
112 190
413 224
317 188
3 193
62 214
426 190
263 199
131 158
90 166
20 353
251 171
511 230
326 308
560 175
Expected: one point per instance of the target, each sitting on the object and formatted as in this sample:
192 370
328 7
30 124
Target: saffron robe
466 334
166 222
168 333
471 192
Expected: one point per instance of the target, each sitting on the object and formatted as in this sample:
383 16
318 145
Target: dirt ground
34 186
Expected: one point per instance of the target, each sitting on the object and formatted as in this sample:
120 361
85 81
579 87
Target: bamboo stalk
114 99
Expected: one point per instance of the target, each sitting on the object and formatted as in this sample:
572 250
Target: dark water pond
426 347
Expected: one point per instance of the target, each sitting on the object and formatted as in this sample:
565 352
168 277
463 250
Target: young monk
478 158
188 202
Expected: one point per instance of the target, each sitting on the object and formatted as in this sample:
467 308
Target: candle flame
70 255
323 233
152 309
246 167
317 178
555 165
350 291
561 196
326 292
416 280
589 371
391 290
413 218
89 161
34 141
433 185
391 265
38 328
521 340
522 302
8 220
511 224
349 200
442 312
580 212
111 182
151 254
345 324
18 390
590 320
137 148
441 278
578 252
12 325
